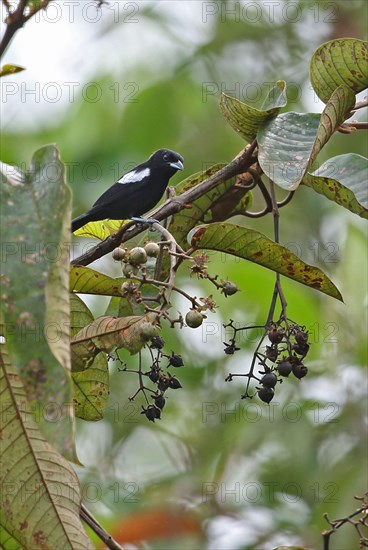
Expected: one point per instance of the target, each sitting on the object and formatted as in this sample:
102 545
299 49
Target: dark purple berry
272 353
175 360
231 348
284 367
157 342
301 349
163 383
151 412
160 401
266 394
275 335
174 383
299 370
269 380
154 375
301 337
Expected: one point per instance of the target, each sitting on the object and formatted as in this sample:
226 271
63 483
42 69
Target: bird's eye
166 157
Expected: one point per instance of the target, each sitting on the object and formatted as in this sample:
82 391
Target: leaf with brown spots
91 386
88 281
342 179
256 247
108 333
246 119
40 508
343 61
35 227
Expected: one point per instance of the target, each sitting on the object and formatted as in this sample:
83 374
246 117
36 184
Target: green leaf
10 69
108 333
35 227
337 62
289 143
276 97
101 229
88 281
36 481
91 386
204 209
246 119
342 179
256 247
217 203
92 389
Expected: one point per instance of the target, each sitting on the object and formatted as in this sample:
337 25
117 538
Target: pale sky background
67 46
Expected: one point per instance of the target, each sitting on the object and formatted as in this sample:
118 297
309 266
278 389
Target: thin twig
168 195
277 291
349 127
173 247
259 214
166 285
88 518
337 523
286 200
256 175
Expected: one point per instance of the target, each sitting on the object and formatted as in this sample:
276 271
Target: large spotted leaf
343 61
40 495
256 247
343 179
35 229
246 119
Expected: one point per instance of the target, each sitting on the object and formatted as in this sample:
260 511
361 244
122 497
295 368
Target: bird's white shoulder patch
135 176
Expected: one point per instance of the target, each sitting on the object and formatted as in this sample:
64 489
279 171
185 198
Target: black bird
135 192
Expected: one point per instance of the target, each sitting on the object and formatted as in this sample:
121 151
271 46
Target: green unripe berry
137 256
229 288
194 318
152 249
129 270
118 254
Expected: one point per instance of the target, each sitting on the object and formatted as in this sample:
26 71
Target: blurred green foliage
274 470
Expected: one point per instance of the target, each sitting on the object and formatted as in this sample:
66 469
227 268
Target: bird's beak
178 165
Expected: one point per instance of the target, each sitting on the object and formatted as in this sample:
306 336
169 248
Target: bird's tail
79 222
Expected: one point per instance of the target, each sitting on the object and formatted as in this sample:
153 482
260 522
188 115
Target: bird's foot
148 221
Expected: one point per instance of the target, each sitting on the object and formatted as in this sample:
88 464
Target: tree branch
14 21
87 517
174 205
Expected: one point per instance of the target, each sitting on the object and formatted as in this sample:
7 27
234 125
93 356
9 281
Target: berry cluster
288 346
162 380
133 260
